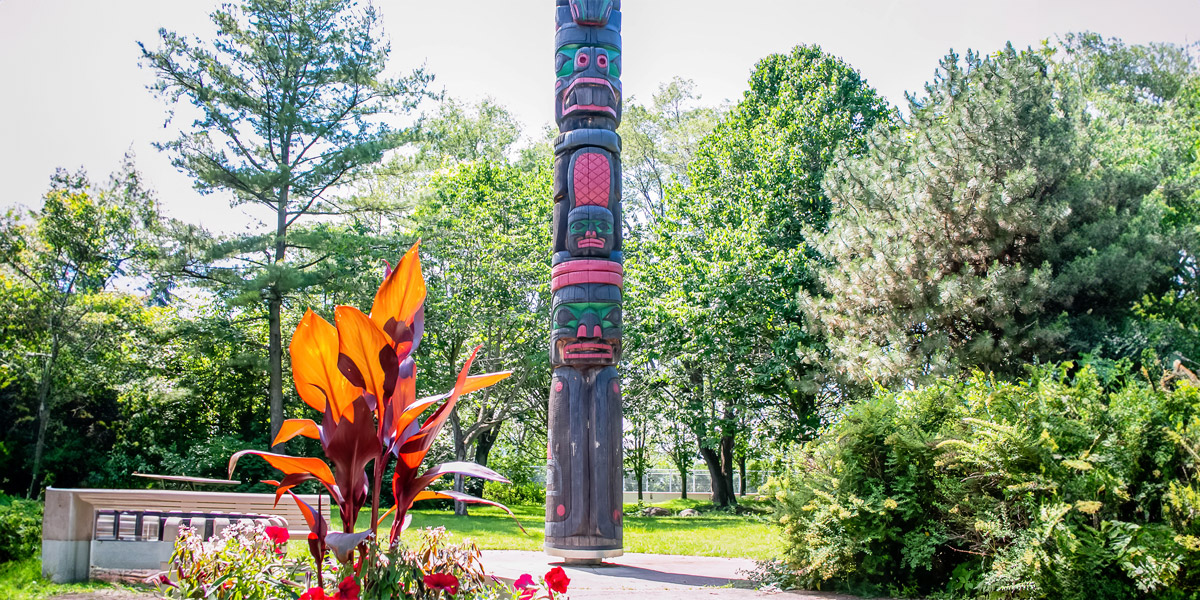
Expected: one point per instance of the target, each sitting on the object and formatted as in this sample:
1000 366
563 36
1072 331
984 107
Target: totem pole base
583 557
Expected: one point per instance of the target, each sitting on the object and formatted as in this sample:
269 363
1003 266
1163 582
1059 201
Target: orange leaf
400 295
366 353
429 495
478 382
314 351
289 464
294 427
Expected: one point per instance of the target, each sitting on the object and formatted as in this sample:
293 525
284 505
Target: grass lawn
23 580
710 534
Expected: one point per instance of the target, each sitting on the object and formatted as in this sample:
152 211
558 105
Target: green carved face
603 59
583 226
570 315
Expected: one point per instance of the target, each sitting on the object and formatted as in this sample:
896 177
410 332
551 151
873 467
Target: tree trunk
640 477
275 360
683 477
483 449
274 319
39 450
713 462
727 455
460 453
742 471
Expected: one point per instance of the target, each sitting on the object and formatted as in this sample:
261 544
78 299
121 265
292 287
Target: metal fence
667 481
698 480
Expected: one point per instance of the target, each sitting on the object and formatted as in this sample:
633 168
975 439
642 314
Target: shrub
20 528
517 493
1055 487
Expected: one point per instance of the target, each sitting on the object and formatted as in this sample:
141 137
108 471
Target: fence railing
668 481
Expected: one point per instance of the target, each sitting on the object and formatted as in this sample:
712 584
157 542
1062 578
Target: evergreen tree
1008 220
291 103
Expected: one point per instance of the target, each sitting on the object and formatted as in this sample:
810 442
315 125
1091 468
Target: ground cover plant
1070 484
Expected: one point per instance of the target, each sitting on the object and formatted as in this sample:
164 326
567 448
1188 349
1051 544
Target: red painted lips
587 350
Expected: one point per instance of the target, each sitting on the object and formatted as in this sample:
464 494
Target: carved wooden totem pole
583 479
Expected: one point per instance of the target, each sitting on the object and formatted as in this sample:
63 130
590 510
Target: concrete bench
136 529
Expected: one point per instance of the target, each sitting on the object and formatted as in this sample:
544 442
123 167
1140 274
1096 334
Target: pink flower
278 535
442 582
524 581
556 580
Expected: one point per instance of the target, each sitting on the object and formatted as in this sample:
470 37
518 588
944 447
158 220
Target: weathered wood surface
583 487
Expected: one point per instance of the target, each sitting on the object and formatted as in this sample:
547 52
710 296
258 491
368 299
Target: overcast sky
73 95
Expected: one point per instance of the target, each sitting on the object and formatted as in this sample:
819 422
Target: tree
291 104
658 141
482 221
63 260
713 290
639 437
1009 220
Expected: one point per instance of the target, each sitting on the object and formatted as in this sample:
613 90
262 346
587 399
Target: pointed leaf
294 427
413 451
400 297
343 544
367 358
469 499
478 382
351 445
314 352
462 468
289 464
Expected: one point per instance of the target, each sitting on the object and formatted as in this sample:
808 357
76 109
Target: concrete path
649 576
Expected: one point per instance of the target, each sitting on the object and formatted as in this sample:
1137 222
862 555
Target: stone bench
136 529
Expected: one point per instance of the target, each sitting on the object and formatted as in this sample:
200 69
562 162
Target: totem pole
583 477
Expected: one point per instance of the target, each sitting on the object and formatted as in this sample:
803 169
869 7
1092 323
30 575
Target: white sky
73 95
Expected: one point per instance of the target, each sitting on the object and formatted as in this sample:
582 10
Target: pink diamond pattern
592 179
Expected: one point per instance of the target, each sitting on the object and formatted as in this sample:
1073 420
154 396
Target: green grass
23 580
710 534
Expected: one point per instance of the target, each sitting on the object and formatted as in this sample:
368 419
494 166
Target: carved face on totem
588 70
587 325
590 232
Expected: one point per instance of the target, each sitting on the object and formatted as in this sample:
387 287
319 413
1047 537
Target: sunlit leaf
314 352
294 427
289 464
367 358
400 297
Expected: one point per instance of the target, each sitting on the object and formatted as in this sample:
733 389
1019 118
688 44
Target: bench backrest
186 501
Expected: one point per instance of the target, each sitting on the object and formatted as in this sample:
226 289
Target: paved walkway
650 576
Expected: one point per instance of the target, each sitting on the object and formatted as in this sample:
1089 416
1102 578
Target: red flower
557 580
528 593
524 581
278 535
313 594
442 582
347 590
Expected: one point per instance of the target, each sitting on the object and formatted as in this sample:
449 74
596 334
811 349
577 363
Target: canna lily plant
360 376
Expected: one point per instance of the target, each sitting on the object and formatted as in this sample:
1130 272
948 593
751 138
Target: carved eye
581 60
602 61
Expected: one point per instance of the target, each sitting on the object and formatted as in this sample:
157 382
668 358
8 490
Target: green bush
514 494
1057 487
20 528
